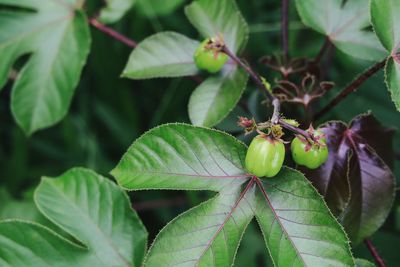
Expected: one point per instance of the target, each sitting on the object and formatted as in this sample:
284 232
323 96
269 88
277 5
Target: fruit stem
276 117
256 78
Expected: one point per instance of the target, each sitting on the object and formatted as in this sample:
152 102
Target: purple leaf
356 181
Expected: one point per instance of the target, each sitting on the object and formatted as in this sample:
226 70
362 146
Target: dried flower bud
248 124
245 122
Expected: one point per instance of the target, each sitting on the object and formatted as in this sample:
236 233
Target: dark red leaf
378 137
356 181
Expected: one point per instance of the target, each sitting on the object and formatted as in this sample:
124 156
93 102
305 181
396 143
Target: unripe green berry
309 155
209 59
265 156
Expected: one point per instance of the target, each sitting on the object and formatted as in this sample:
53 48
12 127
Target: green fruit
209 59
265 156
310 155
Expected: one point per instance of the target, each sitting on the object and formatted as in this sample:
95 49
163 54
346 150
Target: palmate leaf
115 10
165 54
356 181
217 96
56 35
344 25
185 157
90 208
386 22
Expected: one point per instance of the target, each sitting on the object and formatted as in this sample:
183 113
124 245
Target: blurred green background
108 113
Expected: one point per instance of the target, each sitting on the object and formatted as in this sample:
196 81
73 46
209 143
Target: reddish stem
351 87
276 117
374 253
116 35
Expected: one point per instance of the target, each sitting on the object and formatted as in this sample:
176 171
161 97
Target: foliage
90 208
191 158
307 217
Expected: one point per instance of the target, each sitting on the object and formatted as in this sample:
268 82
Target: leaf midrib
277 218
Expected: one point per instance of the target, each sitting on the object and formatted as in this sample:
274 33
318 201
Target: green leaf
182 157
364 263
344 25
392 79
217 96
24 209
212 18
115 10
166 54
386 22
25 244
58 39
298 228
97 213
154 8
178 156
207 235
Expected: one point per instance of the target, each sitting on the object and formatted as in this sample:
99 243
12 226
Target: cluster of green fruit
266 154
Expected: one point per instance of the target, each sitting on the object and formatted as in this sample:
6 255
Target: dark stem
116 35
285 29
323 50
276 117
296 130
351 87
125 40
374 253
256 78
